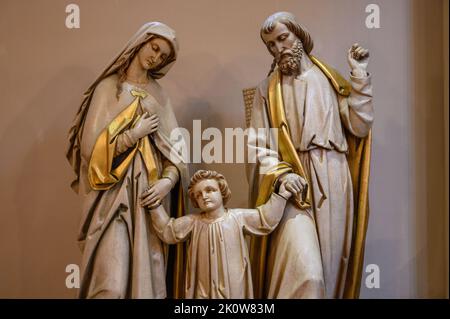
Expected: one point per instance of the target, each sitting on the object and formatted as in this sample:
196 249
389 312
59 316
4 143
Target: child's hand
283 192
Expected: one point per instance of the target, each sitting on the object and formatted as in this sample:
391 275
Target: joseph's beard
289 60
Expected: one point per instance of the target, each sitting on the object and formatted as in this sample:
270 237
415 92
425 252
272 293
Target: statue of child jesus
218 264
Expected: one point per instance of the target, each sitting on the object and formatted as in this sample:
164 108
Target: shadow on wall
44 211
428 123
215 98
384 240
42 206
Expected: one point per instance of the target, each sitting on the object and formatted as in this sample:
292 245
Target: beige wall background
46 67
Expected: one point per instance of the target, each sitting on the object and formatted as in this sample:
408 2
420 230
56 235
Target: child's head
208 190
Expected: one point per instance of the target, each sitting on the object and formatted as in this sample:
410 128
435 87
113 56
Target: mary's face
154 53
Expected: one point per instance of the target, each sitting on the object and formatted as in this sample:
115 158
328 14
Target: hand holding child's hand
155 194
283 192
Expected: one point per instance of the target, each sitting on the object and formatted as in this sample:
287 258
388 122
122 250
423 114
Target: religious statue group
303 235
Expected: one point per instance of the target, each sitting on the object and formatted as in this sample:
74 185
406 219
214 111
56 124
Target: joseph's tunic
316 117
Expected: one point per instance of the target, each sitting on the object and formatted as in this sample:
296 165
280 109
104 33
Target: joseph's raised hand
358 59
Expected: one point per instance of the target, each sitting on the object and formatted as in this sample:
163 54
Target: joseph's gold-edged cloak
358 157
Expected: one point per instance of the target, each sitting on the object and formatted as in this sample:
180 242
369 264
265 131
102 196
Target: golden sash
286 149
359 151
102 175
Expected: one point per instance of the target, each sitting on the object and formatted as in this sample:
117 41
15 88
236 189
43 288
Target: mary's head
153 48
153 54
156 47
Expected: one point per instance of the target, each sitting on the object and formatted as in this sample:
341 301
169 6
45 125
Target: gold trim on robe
340 84
102 175
359 153
286 148
105 171
359 164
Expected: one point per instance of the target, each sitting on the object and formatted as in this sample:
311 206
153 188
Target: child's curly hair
201 175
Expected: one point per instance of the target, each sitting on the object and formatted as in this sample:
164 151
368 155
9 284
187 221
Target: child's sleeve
171 230
265 218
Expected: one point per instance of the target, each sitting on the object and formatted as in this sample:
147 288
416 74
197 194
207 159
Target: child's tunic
218 263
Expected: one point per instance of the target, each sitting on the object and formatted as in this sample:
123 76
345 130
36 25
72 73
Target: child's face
208 196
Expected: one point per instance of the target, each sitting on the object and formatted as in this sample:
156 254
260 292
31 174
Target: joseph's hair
288 19
201 175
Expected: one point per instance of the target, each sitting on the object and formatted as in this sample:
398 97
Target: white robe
122 255
316 117
218 263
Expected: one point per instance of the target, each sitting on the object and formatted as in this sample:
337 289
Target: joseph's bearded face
289 61
286 48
